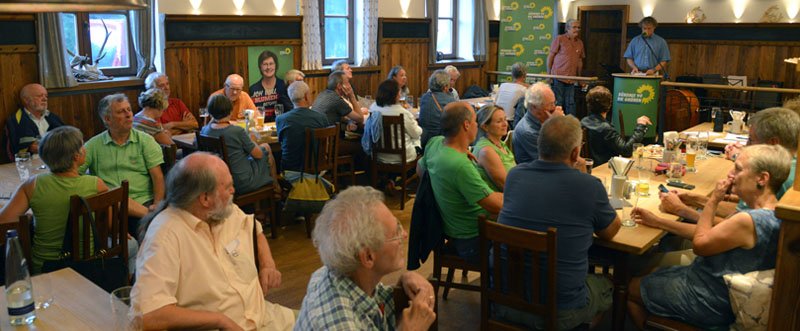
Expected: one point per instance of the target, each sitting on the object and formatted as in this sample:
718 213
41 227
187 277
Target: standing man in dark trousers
566 59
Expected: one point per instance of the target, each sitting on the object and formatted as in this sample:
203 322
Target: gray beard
215 217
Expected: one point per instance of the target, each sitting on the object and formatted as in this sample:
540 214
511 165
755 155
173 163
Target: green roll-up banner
526 32
285 60
635 96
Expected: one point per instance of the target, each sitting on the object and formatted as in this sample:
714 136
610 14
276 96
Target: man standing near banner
647 52
566 59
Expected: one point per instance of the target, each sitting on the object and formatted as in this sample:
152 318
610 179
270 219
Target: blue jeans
565 96
467 249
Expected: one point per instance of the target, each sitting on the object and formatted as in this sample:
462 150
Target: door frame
625 9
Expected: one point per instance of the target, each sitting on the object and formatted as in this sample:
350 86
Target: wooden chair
393 142
321 154
24 232
256 198
586 152
510 140
654 322
170 157
443 259
518 243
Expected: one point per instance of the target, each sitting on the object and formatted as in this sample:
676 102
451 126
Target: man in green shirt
457 186
122 153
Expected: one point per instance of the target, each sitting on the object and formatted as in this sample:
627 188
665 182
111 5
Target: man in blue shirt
554 202
292 127
647 53
540 102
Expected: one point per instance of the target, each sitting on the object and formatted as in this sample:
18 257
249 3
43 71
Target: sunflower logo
532 5
651 93
514 5
518 49
538 62
548 36
517 26
288 50
547 12
508 78
509 19
541 26
546 49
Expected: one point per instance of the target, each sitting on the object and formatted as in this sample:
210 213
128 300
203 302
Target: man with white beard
196 268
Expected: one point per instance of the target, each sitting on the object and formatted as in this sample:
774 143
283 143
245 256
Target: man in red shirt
566 59
176 118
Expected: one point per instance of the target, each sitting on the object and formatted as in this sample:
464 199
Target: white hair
346 225
451 69
297 91
150 81
534 95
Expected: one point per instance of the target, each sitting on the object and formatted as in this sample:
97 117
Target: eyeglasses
400 233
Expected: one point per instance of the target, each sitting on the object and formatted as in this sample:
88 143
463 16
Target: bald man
234 90
28 124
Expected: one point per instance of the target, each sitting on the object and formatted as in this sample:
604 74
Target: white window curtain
369 40
143 30
54 68
481 33
312 50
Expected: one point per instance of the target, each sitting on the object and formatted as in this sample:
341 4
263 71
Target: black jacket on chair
426 231
605 142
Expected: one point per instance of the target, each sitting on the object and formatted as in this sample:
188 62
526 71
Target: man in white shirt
196 268
510 93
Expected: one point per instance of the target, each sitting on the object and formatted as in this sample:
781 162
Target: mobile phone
682 185
662 188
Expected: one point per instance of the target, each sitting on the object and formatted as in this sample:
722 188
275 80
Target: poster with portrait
285 61
527 28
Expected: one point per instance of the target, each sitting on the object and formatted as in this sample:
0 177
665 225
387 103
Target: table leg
622 276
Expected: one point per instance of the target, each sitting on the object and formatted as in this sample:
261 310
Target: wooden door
604 35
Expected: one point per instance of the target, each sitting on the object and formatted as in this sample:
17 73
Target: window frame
82 32
350 32
454 30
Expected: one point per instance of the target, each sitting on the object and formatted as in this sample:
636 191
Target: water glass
703 138
24 165
125 318
630 201
410 101
589 166
42 291
675 172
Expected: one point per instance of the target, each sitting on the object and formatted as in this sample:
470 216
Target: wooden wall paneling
80 110
491 57
317 82
412 54
16 70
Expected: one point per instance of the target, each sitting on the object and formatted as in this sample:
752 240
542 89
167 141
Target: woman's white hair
346 225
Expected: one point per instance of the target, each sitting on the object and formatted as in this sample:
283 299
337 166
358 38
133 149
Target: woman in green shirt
493 162
48 194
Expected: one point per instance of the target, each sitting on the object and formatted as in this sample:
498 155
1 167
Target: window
103 37
337 30
447 22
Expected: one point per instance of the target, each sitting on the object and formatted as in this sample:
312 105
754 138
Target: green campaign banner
526 32
285 61
635 96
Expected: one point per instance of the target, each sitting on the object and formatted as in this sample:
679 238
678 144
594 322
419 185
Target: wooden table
9 177
186 141
717 140
78 304
477 102
638 240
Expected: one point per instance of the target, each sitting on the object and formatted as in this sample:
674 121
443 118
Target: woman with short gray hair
431 105
148 120
48 194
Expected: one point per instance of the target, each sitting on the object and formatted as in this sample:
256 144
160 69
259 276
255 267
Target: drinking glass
692 148
278 110
410 101
645 174
125 318
42 291
631 199
703 138
589 166
675 171
24 165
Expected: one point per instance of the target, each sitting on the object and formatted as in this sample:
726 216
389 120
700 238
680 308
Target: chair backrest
321 149
585 151
170 153
110 212
393 138
211 144
510 140
517 244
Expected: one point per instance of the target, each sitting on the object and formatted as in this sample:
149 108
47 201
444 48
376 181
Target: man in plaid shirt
359 242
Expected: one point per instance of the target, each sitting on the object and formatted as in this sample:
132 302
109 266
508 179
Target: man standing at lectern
647 53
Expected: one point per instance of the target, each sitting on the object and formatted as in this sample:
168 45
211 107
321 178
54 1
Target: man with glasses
541 104
360 242
234 85
176 118
566 59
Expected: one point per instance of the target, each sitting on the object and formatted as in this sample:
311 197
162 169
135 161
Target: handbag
307 195
107 273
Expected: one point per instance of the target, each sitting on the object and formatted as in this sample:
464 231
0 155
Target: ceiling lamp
37 6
